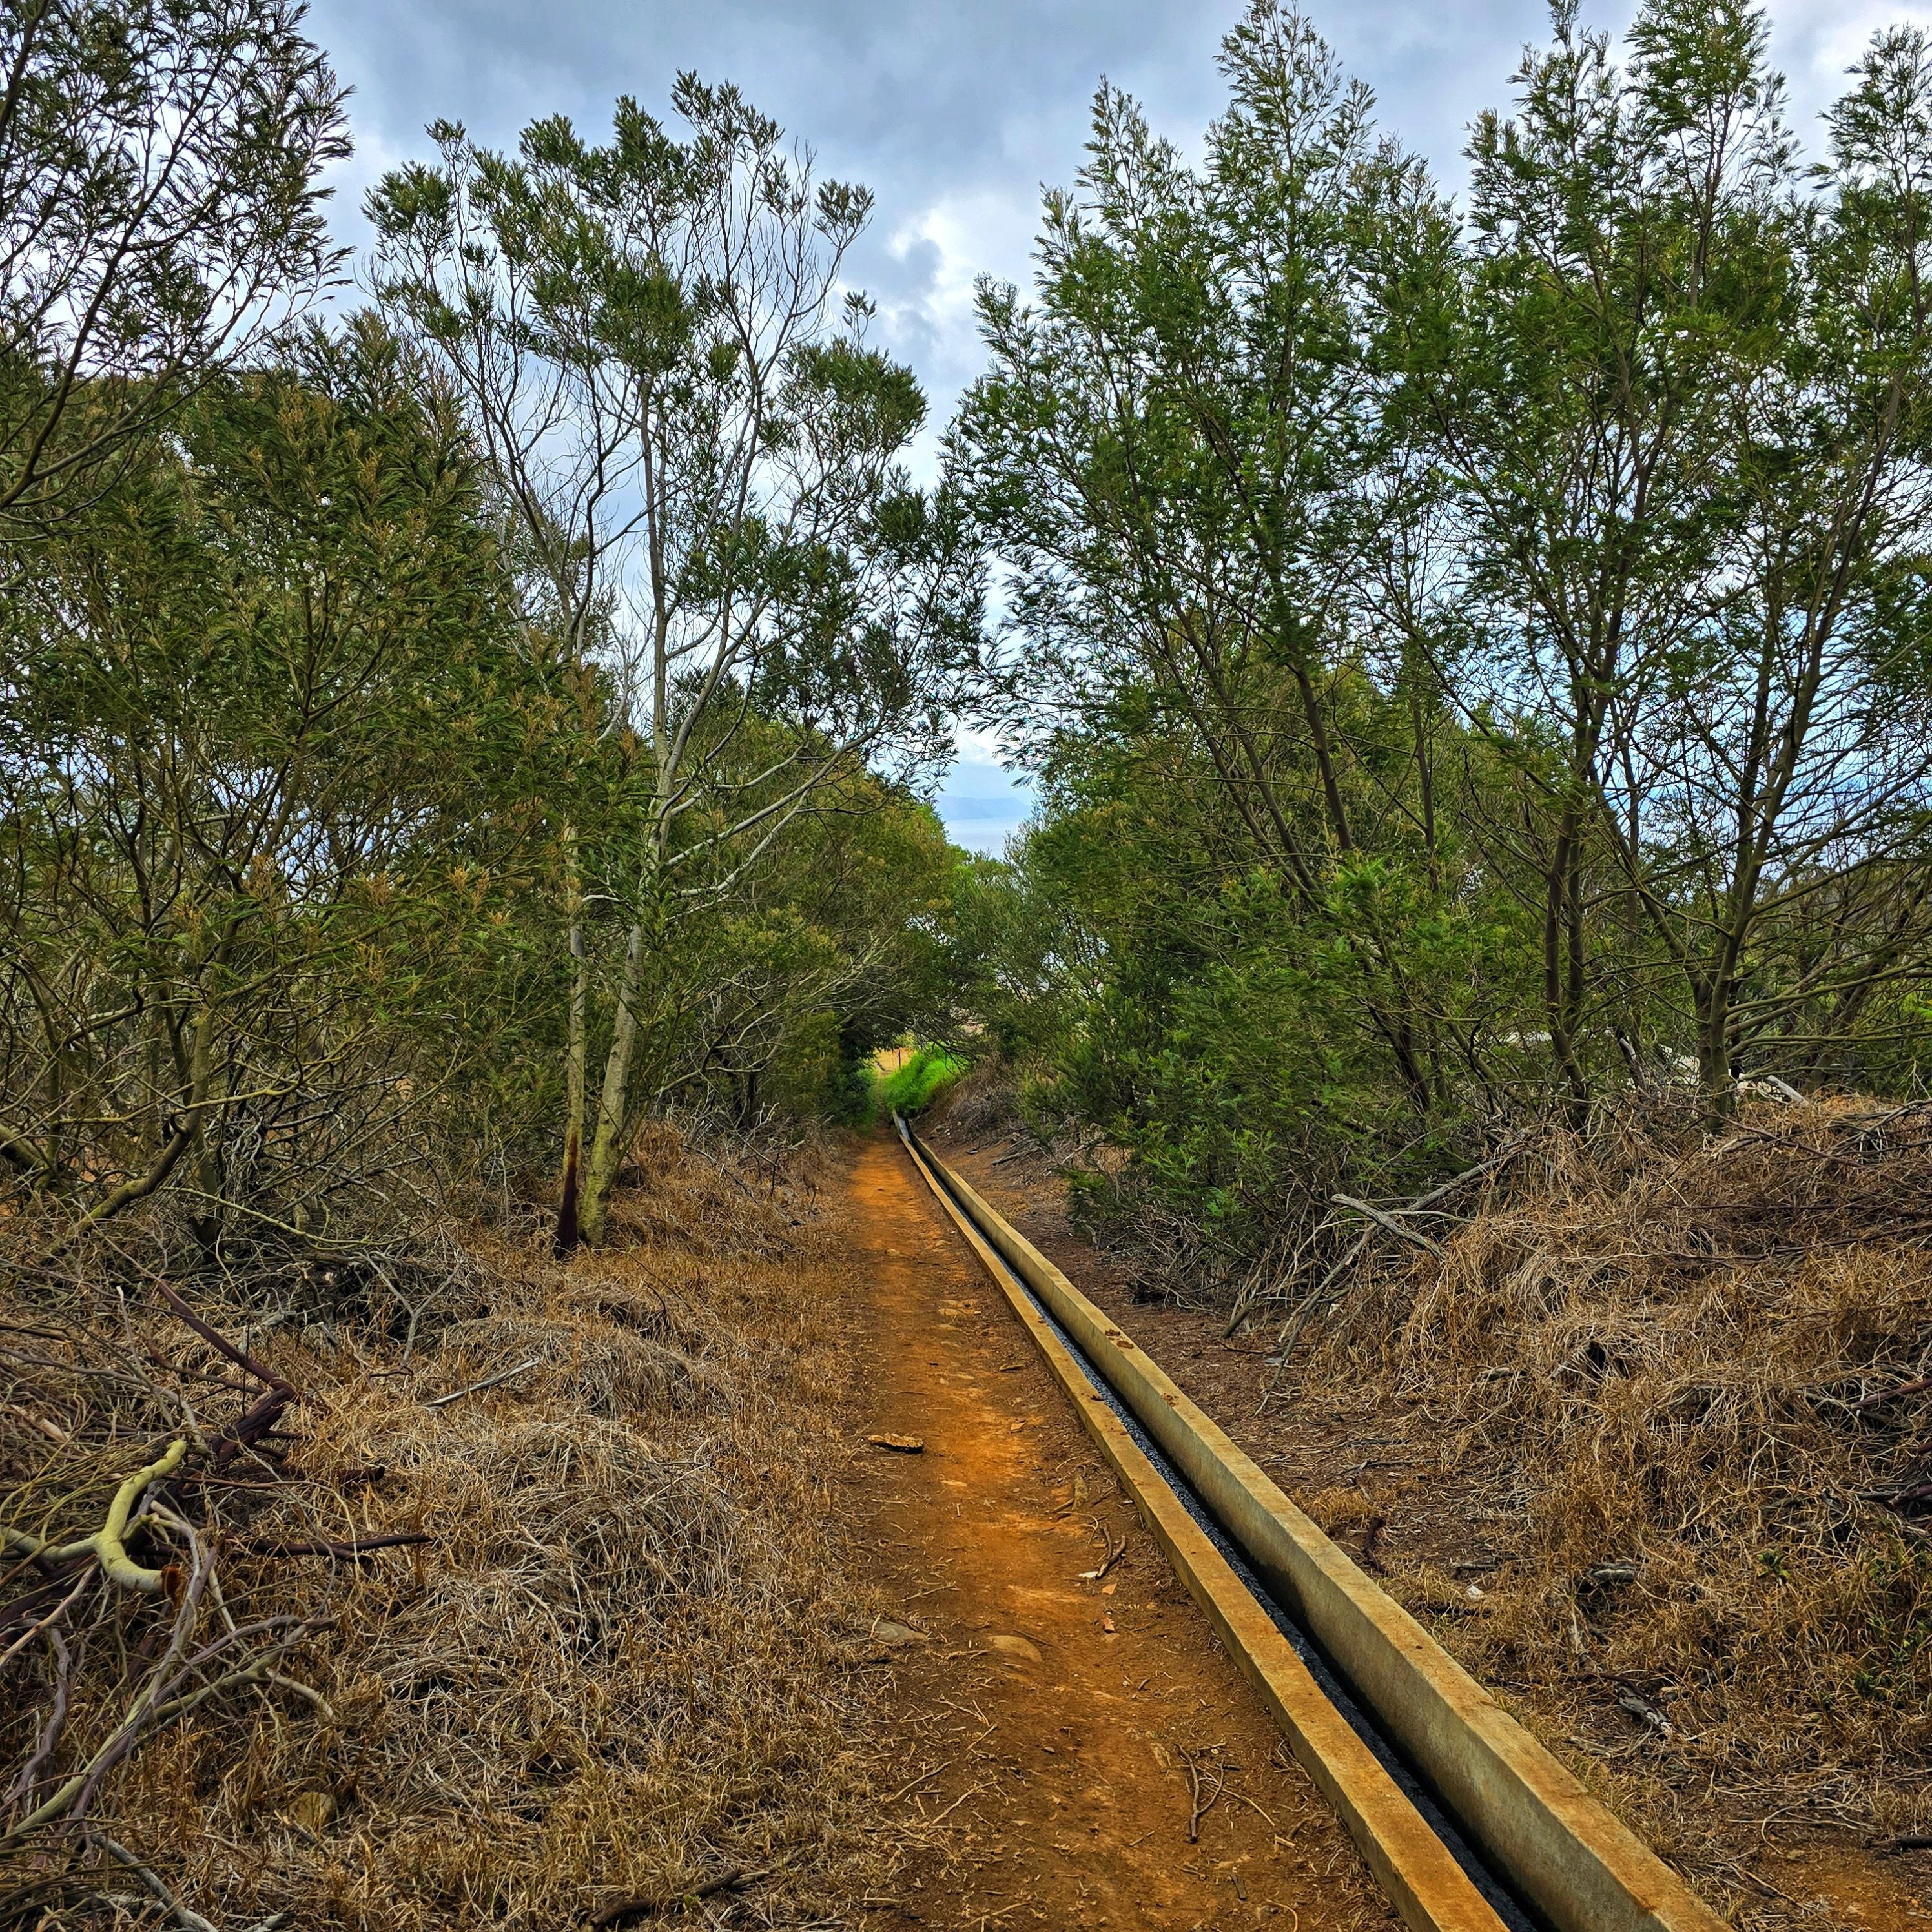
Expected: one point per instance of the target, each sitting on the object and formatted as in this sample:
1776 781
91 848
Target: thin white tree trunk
607 1149
576 1057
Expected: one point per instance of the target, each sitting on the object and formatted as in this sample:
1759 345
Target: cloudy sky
954 114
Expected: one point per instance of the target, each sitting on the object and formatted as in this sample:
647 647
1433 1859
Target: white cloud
1815 41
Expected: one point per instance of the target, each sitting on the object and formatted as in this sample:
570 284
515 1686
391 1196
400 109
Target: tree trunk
569 1229
1563 962
607 1149
1714 1074
569 1226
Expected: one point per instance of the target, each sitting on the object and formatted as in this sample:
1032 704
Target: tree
1179 454
1788 769
705 472
160 219
1467 665
1677 403
264 756
1578 386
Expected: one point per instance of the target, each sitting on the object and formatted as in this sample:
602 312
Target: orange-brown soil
1059 1733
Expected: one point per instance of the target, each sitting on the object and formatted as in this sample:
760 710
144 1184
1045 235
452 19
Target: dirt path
1046 1720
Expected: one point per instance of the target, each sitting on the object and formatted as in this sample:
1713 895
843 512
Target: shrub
913 1086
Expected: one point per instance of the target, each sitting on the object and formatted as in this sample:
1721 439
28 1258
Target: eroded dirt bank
1076 1749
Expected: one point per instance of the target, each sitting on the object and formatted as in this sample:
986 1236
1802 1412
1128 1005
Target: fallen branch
1384 1219
49 1621
215 1339
1202 1790
254 1424
1368 1558
106 1544
1918 1493
160 1698
189 1922
1113 1554
39 1424
1892 1394
133 1721
151 1712
1305 1311
352 1547
487 1382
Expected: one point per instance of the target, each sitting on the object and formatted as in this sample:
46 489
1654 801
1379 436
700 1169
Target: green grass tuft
920 1081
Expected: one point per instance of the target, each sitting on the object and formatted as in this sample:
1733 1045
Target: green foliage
343 814
1470 665
266 770
1676 395
706 463
1253 938
160 216
918 1081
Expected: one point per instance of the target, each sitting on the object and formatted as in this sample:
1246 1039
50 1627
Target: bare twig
50 1732
348 1546
85 1583
1206 1779
1919 1387
1292 1329
1113 1553
189 1922
487 1382
1382 1219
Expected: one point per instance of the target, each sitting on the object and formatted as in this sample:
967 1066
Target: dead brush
688 1177
1683 1387
984 1099
604 1663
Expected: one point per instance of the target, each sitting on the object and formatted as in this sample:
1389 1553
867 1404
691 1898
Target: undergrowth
1679 1392
609 1664
917 1081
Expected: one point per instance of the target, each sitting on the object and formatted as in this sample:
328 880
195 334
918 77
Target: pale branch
105 1545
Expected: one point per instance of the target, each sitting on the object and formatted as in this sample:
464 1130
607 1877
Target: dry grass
982 1102
613 1669
1657 1376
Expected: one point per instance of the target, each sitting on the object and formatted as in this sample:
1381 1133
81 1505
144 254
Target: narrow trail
1059 1733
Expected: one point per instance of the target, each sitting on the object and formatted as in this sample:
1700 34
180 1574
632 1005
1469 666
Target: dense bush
1475 663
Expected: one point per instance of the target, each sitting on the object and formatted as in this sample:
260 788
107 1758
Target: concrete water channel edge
1467 1822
